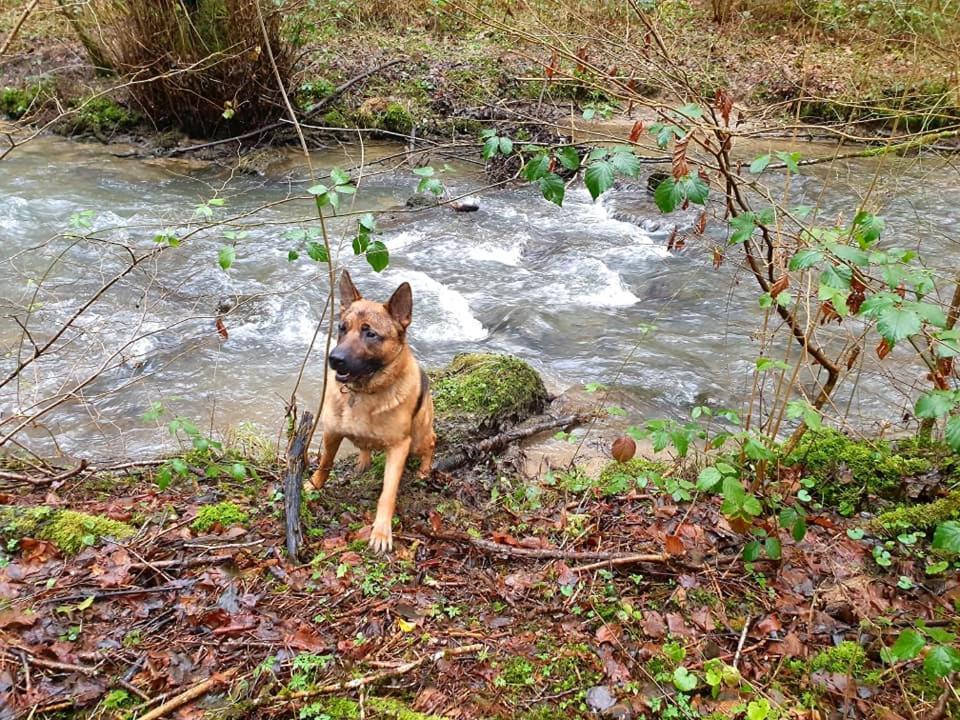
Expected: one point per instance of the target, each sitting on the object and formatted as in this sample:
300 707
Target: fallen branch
16 28
601 558
188 695
293 482
373 678
464 454
52 664
312 110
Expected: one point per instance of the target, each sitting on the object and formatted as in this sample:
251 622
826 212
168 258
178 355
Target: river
573 290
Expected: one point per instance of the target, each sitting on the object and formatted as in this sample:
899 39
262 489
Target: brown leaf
676 624
504 538
781 284
305 638
790 646
566 576
883 349
701 223
615 671
724 103
113 570
717 258
222 329
608 633
703 618
636 130
436 521
770 624
653 624
552 67
680 166
673 544
36 552
624 448
852 356
16 619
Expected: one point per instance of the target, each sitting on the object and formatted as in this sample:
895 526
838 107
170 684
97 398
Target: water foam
456 322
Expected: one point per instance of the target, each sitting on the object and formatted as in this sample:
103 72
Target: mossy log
69 530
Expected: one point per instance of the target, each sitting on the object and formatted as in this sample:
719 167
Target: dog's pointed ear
348 292
400 305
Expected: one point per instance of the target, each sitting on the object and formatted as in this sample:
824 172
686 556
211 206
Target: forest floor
455 77
625 595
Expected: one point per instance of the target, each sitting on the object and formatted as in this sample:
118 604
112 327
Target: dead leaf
608 633
653 624
769 625
222 329
673 544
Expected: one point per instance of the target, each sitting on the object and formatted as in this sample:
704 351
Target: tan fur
377 413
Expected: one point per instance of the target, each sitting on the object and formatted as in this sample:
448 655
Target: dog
377 396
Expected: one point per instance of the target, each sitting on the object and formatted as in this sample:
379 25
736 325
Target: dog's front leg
381 536
331 443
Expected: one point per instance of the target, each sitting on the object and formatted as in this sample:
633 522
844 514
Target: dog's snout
338 360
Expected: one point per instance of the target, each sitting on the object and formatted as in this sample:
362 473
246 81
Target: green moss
396 118
919 517
69 530
376 708
489 388
846 471
224 514
335 118
15 101
848 658
100 114
634 468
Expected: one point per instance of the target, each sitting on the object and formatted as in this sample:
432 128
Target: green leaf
896 324
537 167
941 661
490 147
691 110
867 227
760 164
215 202
431 184
944 637
317 252
952 433
318 190
947 537
569 157
875 304
86 602
506 145
935 404
772 547
238 471
751 551
599 178
804 259
837 277
799 530
378 256
553 188
226 256
339 177
360 243
743 227
708 479
855 533
930 313
684 680
695 189
668 195
948 343
758 709
790 160
907 646
368 222
426 171
852 255
765 363
625 163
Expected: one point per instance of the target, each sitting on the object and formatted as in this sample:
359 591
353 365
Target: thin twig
743 637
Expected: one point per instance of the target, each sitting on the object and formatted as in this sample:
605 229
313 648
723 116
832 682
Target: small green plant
224 514
941 658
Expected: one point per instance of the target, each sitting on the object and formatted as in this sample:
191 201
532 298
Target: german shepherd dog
377 397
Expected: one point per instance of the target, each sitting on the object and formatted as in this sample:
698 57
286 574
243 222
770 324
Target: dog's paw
381 537
364 461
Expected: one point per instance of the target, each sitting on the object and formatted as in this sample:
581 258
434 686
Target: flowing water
573 290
